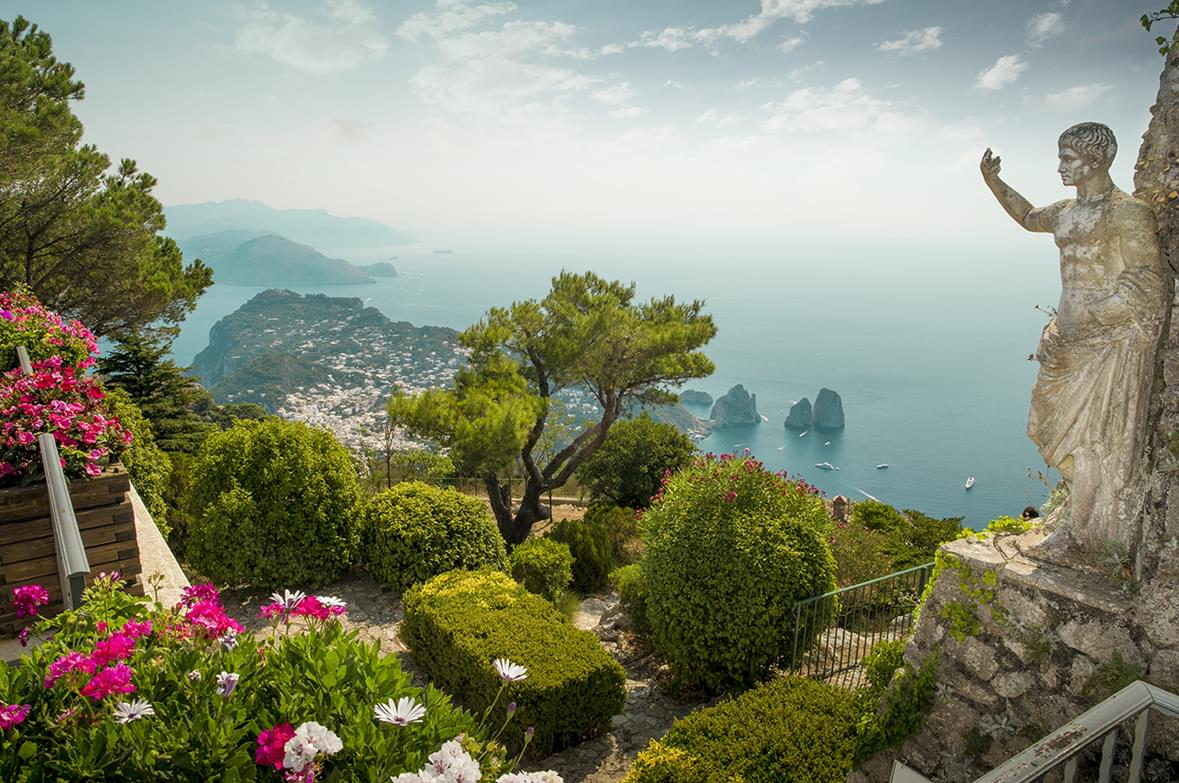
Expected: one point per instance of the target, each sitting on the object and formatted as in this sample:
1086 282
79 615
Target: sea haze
927 347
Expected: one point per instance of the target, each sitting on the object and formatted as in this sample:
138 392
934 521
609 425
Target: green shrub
604 539
43 332
458 623
894 703
148 465
628 468
273 504
414 531
543 566
632 594
314 672
790 730
912 537
730 547
860 553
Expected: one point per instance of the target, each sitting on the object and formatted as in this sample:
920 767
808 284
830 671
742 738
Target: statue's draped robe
1089 404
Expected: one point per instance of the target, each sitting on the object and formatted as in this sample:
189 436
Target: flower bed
457 623
123 691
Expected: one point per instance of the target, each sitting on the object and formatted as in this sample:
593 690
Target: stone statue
1096 354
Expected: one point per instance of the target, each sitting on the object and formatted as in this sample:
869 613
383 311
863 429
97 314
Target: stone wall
1024 646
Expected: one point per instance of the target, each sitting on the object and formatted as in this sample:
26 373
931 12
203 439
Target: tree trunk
531 511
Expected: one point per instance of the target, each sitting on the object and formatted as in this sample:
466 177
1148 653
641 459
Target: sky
611 120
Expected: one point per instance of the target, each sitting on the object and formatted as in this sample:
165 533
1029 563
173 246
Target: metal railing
72 564
834 632
1062 748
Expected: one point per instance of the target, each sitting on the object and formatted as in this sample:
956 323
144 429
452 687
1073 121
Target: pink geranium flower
271 743
26 599
12 715
70 662
114 679
117 648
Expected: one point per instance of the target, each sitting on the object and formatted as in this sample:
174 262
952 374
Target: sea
928 346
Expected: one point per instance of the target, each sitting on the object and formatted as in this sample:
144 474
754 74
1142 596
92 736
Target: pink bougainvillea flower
26 599
114 679
70 662
270 745
12 715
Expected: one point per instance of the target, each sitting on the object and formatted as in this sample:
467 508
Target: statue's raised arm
1020 209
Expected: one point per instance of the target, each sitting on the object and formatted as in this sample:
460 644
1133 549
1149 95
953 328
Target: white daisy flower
127 711
400 713
508 671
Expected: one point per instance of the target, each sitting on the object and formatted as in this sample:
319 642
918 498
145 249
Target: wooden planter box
102 506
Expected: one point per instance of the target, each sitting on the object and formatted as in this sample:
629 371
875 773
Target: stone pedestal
1023 646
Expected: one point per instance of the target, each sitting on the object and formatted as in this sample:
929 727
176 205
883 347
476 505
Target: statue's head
1085 148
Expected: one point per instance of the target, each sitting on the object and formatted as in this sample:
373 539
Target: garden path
375 612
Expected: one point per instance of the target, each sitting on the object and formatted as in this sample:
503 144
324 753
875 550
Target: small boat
825 466
781 447
970 482
882 466
804 432
826 443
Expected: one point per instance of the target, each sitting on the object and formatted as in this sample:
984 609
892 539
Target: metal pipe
72 564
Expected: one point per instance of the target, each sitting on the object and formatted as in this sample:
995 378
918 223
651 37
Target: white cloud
342 36
1005 71
1043 26
845 108
794 74
791 42
746 84
616 95
1080 97
450 16
914 41
801 11
673 83
719 118
628 113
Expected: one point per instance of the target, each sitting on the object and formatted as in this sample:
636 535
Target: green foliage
84 240
273 504
599 542
1005 525
586 333
316 672
149 467
912 537
543 565
632 594
458 623
1111 677
791 730
860 553
43 333
1148 20
627 470
730 547
414 531
894 703
419 465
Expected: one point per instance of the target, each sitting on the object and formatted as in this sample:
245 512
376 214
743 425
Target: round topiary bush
414 531
543 565
273 504
730 547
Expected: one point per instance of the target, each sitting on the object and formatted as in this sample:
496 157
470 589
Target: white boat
804 432
826 443
970 482
882 466
825 466
780 448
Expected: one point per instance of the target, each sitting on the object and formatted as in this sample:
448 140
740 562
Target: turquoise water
928 349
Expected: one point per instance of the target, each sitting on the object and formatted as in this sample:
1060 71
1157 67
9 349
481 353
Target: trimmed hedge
543 566
415 531
791 730
458 623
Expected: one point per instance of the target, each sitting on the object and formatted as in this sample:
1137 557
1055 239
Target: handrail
870 582
1101 722
72 564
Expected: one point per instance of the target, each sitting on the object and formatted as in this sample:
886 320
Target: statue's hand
989 165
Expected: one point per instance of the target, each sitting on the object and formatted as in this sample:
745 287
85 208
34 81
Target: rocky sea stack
736 407
799 417
828 411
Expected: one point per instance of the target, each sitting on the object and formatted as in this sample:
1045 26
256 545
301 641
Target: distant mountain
379 269
313 227
269 260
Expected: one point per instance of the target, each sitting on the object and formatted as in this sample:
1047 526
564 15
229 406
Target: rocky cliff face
800 415
736 407
828 411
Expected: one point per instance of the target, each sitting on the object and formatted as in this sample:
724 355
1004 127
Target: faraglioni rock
736 407
695 397
800 415
828 414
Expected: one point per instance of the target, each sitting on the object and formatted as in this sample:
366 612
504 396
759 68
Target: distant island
826 414
246 258
695 397
314 227
736 407
329 361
